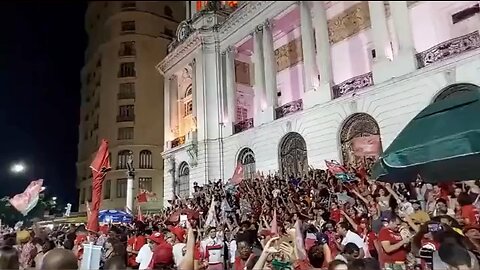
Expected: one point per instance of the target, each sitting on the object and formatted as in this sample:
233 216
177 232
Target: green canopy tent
441 144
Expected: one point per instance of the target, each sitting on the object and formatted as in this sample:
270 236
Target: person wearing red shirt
162 251
335 213
468 211
391 243
134 244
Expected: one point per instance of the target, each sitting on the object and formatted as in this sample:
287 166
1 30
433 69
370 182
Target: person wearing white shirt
179 250
349 237
144 256
212 249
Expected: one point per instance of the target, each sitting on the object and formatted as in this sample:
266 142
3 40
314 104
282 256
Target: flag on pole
211 216
27 200
339 171
100 166
237 175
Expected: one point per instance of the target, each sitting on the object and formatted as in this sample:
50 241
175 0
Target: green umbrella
442 143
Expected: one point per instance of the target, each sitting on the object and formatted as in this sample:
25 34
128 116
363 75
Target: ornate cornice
243 15
184 49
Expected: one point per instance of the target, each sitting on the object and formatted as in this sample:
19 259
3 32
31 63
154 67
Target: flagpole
130 178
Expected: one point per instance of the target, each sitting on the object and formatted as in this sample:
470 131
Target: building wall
154 30
400 90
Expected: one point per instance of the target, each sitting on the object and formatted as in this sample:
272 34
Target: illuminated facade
284 85
120 90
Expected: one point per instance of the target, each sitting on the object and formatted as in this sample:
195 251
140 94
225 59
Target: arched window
122 159
187 101
145 161
246 157
168 11
293 155
454 90
183 185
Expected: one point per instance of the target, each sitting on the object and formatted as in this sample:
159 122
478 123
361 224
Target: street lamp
18 168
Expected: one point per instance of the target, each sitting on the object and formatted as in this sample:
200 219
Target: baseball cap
156 237
179 233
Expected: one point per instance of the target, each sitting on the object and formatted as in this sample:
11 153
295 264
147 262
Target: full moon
17 168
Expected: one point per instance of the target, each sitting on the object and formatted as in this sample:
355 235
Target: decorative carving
357 125
192 151
193 42
243 14
349 22
171 165
289 108
289 54
178 141
184 30
293 155
243 125
242 73
449 48
352 85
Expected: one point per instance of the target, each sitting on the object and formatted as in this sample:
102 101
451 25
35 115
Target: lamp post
130 178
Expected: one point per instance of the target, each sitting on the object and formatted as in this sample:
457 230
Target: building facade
120 93
278 86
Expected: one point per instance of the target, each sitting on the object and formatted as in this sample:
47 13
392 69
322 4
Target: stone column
381 66
230 83
405 62
166 111
259 87
323 57
174 105
270 66
194 89
308 48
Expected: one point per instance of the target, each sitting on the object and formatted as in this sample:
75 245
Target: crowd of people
315 221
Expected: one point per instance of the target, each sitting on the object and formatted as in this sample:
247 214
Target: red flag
100 165
146 196
142 197
237 175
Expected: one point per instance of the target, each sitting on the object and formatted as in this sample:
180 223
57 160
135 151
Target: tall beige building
121 92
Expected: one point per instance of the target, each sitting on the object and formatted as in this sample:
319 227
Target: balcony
449 48
243 125
178 141
289 108
353 84
125 118
126 95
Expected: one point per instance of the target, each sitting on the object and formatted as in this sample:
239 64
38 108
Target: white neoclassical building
280 86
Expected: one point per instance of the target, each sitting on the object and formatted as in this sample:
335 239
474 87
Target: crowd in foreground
270 222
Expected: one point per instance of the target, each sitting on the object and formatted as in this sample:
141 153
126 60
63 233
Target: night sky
41 55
